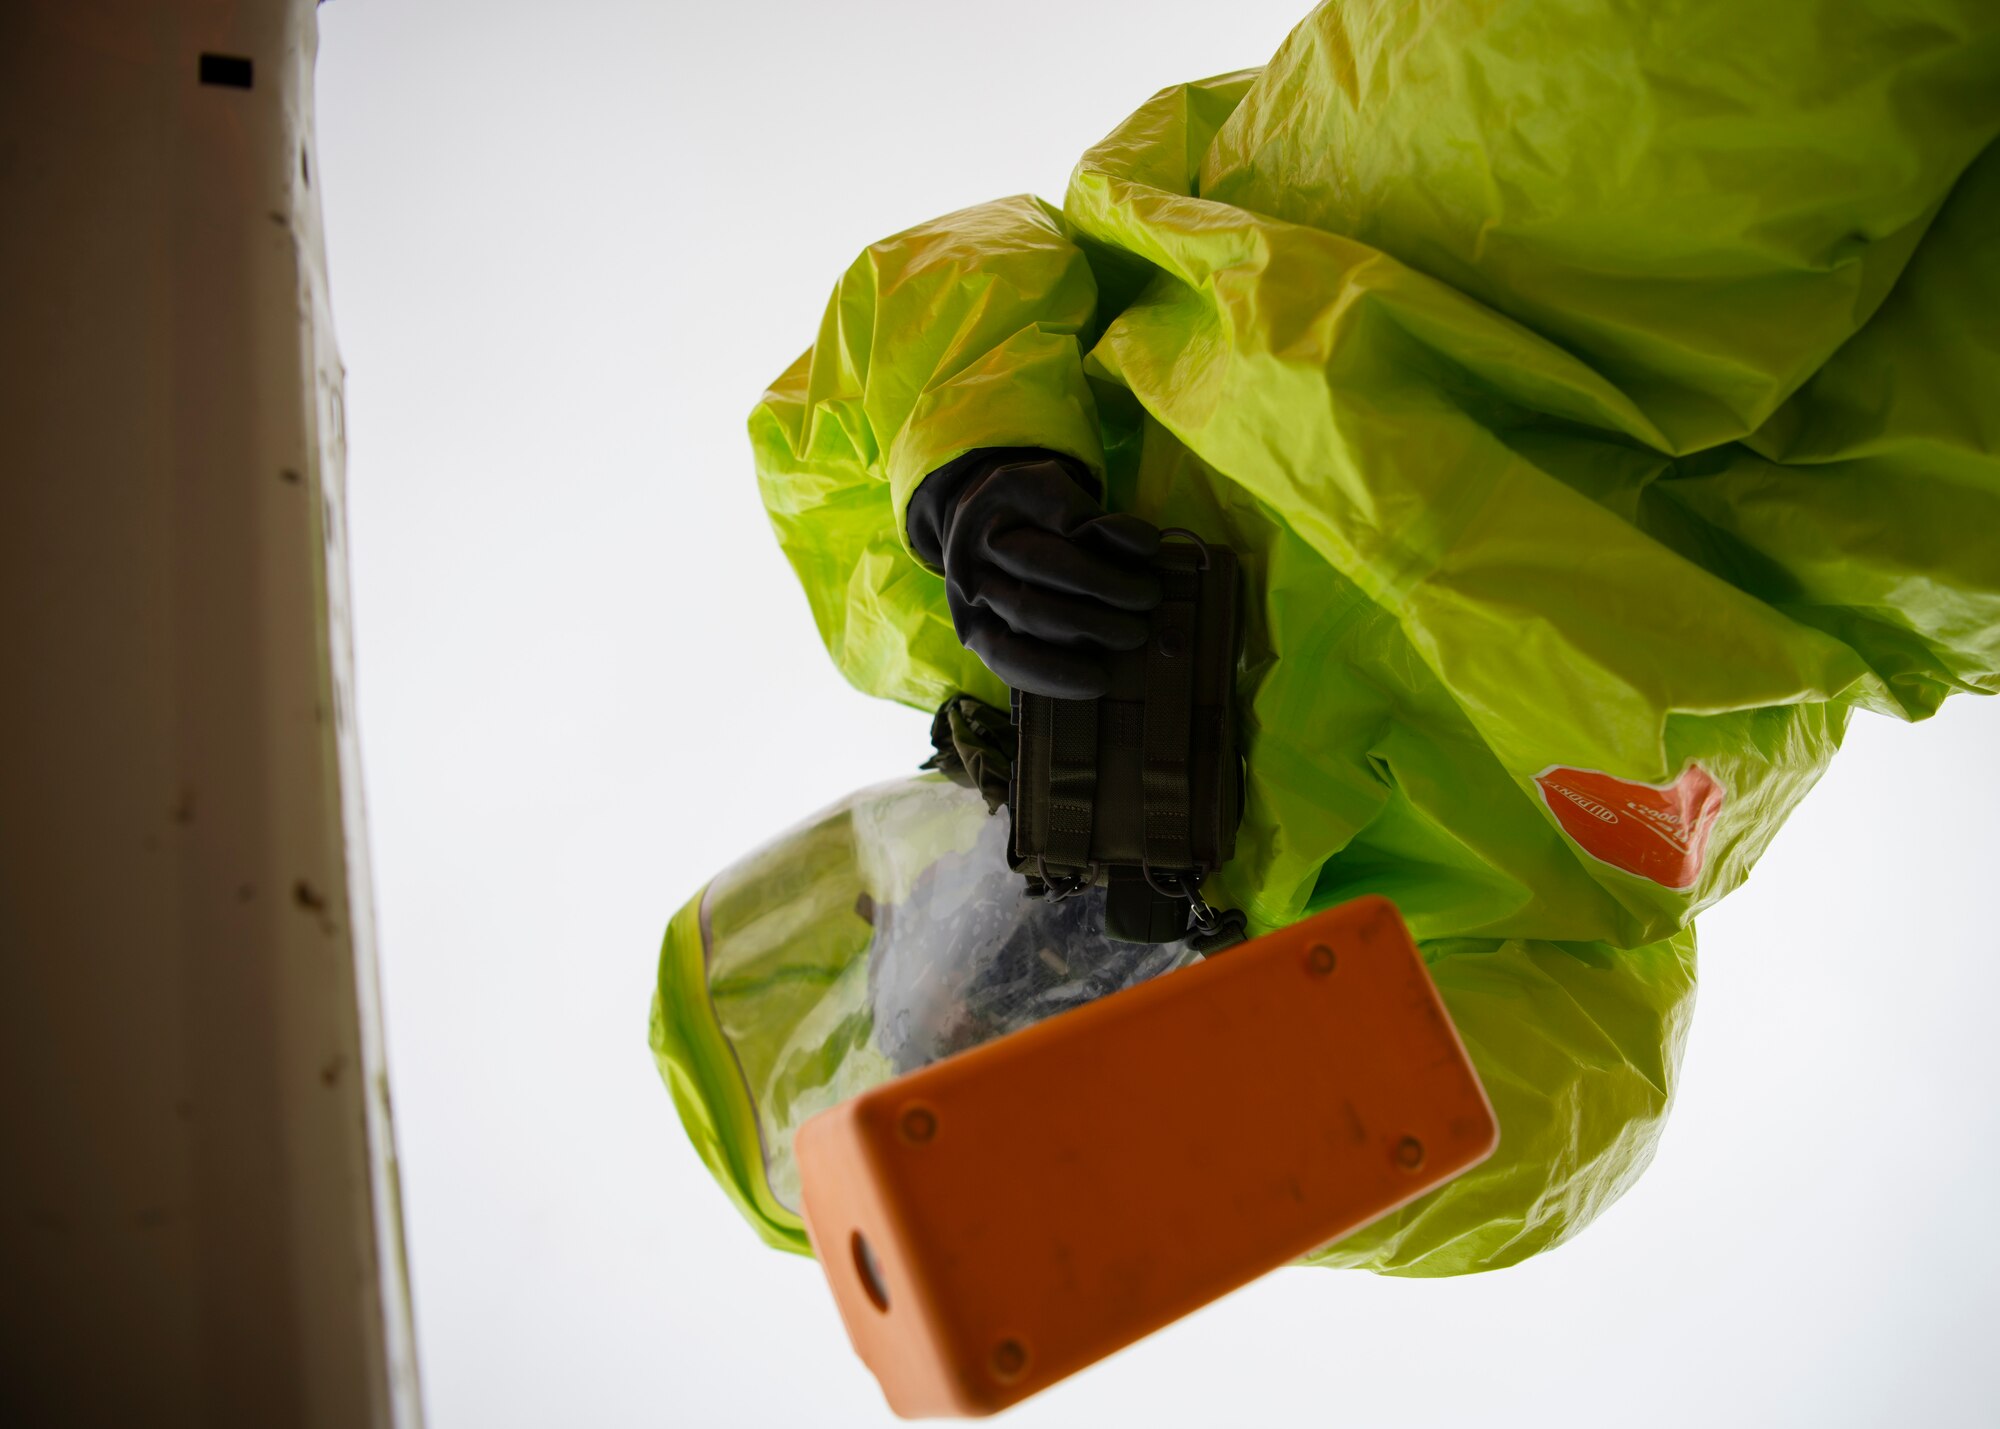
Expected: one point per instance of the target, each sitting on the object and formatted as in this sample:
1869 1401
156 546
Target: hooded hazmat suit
1605 401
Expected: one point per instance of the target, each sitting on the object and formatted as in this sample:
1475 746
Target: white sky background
569 245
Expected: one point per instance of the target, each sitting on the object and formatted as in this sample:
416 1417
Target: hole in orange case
870 1271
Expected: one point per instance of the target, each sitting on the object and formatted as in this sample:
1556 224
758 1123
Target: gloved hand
1040 581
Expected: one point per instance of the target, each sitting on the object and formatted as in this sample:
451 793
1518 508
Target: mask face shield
875 938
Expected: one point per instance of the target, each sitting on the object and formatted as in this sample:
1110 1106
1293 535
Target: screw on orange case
1014 1213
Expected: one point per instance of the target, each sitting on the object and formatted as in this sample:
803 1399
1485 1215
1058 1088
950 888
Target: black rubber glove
1040 581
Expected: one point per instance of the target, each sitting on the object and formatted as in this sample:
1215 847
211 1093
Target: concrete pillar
199 1195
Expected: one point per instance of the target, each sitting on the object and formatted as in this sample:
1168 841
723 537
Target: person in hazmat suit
1604 400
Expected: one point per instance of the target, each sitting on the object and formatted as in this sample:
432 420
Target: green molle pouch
1140 792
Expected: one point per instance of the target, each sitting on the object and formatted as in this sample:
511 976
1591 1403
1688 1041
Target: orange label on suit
1654 831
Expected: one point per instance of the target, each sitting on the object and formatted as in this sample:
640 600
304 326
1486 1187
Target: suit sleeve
960 334
1573 343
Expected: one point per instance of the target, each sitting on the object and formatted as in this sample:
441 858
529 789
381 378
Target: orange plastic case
1000 1220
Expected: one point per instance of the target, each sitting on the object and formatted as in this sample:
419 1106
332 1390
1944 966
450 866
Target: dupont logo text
1652 831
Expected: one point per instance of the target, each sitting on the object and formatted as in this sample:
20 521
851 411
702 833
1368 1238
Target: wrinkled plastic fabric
881 935
1595 387
888 931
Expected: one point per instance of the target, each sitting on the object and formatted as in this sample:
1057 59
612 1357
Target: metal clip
1188 886
1205 919
1054 889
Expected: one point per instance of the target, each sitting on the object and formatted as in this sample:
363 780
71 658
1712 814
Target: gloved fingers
1037 666
1122 537
1054 615
1056 562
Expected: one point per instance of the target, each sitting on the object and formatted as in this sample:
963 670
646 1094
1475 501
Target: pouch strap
1169 694
1072 783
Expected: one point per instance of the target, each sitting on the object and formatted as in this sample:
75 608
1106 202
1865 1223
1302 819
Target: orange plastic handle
1012 1214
